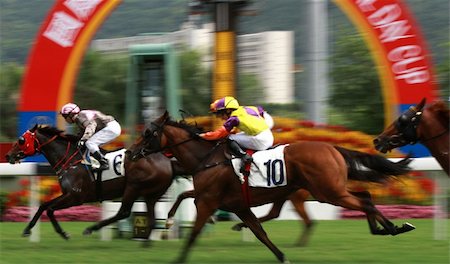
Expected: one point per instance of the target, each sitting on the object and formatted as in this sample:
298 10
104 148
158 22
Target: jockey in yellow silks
254 132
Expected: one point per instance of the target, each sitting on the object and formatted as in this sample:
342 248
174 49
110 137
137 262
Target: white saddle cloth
269 171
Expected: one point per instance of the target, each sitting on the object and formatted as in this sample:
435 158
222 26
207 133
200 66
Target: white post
317 70
34 205
440 202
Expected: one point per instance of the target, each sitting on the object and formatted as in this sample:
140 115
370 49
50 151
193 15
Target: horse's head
151 140
24 147
35 140
402 131
163 134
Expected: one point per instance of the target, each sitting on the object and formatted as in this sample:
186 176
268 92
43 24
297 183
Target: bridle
30 145
406 126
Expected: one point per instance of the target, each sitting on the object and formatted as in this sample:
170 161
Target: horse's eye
21 140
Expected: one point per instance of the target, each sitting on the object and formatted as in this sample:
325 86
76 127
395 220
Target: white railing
419 164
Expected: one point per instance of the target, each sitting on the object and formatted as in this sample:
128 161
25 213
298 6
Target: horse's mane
441 110
192 129
52 131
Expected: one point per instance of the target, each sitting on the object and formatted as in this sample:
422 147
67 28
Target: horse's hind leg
124 211
298 201
252 222
272 214
361 201
180 198
377 216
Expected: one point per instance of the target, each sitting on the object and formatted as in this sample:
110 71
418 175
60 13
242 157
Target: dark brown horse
428 125
148 177
318 167
297 199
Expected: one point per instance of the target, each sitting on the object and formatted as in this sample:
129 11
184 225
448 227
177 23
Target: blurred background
149 56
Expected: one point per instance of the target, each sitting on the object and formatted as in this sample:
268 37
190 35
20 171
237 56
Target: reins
67 163
208 154
435 137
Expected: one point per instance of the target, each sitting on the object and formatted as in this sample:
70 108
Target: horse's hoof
236 227
406 227
26 233
146 243
169 223
87 232
65 235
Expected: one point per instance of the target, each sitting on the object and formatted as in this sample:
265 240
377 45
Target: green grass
342 241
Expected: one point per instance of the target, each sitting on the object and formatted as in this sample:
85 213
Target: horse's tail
377 168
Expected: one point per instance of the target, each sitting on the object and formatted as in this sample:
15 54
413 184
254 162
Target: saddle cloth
267 170
116 164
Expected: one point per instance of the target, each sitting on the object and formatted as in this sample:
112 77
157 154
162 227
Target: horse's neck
435 137
192 154
56 151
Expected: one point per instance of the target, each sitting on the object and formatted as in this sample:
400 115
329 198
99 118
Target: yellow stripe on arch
379 56
65 93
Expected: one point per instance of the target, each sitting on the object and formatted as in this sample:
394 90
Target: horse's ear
165 115
421 104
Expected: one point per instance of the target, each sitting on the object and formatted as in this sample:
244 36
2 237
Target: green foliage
249 91
101 84
195 88
354 76
3 201
10 76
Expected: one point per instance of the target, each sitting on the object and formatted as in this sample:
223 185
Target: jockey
254 132
98 129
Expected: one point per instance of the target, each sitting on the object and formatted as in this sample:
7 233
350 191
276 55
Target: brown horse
427 125
318 167
148 177
297 199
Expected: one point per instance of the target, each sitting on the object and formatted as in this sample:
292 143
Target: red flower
24 182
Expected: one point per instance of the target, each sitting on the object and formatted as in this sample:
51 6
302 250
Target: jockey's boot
239 152
104 165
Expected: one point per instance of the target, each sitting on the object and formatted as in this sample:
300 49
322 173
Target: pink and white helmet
70 108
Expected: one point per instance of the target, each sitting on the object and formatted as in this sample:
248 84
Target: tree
10 77
101 84
354 76
195 87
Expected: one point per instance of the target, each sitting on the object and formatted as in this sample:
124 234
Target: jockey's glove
82 145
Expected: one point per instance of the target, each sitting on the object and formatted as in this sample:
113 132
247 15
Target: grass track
342 241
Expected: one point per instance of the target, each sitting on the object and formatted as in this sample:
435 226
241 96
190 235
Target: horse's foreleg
173 210
61 202
151 221
203 213
37 215
252 222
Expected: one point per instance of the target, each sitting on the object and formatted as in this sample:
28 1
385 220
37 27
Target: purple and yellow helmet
227 102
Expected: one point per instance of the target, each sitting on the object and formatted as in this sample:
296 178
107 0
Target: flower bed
90 213
85 213
395 211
